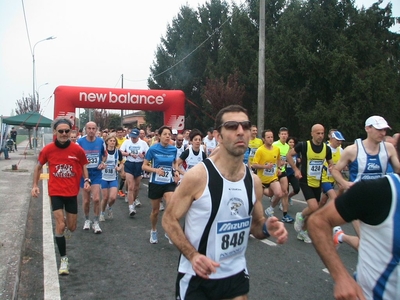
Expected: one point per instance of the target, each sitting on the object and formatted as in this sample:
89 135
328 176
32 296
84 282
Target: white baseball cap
377 122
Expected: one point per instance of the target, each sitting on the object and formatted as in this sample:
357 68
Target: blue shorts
327 186
94 175
105 184
133 168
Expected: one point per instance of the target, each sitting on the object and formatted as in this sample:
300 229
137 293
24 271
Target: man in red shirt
67 163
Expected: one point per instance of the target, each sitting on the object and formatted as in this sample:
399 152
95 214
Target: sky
96 42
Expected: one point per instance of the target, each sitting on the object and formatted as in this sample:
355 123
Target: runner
193 154
254 144
313 153
163 177
283 180
109 179
94 148
67 163
209 141
120 135
215 197
294 182
134 150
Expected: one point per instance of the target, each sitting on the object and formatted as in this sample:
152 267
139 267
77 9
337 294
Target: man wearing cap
367 159
328 182
134 149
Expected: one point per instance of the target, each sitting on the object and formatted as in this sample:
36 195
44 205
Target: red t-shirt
65 168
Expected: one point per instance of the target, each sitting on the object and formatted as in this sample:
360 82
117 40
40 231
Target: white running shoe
64 266
132 211
162 206
303 236
86 226
280 206
337 231
153 237
137 202
101 218
299 222
96 228
269 211
67 233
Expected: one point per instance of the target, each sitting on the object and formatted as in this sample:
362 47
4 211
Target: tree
27 104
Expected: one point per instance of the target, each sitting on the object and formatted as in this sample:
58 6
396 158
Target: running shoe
121 193
132 211
64 266
101 218
299 222
126 198
162 206
169 240
269 211
280 206
110 213
86 226
290 201
337 231
96 228
137 202
153 237
303 236
287 219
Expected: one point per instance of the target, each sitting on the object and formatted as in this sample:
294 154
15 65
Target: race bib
93 160
167 177
315 168
252 152
270 172
232 237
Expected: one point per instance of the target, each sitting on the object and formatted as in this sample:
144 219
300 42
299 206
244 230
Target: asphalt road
120 263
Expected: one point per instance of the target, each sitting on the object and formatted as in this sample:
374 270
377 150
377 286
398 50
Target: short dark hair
283 129
228 109
161 129
264 132
194 132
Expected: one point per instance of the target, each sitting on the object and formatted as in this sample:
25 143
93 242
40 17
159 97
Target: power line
26 27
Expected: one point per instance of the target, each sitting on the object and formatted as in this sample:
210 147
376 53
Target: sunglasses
64 131
233 125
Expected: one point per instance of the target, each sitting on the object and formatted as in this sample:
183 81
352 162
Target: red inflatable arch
171 102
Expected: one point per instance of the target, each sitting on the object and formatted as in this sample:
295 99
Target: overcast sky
96 41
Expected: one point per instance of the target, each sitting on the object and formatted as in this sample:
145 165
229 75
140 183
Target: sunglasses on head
233 125
64 131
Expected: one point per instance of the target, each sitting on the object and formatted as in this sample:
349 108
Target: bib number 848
235 240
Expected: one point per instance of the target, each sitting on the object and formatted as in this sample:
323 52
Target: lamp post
37 93
34 71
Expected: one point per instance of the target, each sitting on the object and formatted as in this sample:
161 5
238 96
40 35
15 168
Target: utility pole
261 69
122 111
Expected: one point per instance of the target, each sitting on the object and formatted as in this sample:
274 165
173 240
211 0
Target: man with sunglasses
67 163
95 150
221 201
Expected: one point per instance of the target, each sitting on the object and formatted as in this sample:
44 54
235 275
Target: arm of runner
36 176
178 164
320 226
336 170
290 160
191 188
148 168
272 224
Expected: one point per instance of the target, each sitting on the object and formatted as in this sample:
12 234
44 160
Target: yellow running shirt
264 156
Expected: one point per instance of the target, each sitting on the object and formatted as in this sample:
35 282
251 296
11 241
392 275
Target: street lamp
38 90
33 65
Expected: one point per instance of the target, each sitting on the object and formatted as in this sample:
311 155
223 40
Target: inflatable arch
171 102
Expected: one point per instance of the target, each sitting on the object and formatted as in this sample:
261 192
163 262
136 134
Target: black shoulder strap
248 183
215 186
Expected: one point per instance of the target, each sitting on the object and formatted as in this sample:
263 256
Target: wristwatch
88 180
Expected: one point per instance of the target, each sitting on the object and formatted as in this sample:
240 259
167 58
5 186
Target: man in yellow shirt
267 162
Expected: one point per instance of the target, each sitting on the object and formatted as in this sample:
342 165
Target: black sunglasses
233 125
64 131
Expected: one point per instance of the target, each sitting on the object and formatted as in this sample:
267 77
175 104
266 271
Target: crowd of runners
111 163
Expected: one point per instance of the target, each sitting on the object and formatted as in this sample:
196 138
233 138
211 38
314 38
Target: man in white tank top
221 201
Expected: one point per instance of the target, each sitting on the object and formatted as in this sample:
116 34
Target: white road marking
265 241
50 272
145 185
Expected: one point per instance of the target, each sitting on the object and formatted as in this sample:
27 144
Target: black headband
62 121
